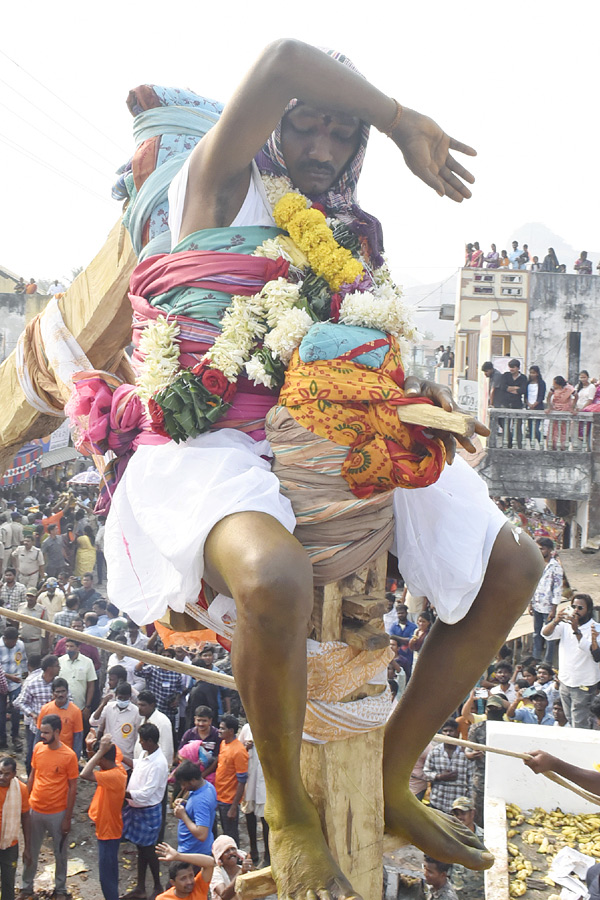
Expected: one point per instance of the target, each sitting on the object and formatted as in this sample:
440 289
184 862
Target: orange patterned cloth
356 406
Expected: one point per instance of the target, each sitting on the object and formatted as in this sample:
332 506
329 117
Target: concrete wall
16 310
567 475
12 321
559 304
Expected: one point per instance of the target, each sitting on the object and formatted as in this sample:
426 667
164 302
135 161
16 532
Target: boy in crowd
185 885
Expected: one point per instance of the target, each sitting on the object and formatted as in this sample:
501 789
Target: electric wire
111 162
84 187
64 102
54 141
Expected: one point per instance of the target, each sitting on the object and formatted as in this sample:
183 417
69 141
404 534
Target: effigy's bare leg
254 559
452 659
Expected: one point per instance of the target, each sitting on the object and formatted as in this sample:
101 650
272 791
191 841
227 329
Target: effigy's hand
442 397
426 150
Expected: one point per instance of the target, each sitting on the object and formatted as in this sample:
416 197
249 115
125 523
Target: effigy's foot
440 836
302 865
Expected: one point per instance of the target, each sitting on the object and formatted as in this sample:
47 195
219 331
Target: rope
557 779
151 659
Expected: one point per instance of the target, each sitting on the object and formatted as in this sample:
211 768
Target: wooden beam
434 417
255 885
151 659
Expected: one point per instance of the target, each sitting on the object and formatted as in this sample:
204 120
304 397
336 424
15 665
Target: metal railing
525 429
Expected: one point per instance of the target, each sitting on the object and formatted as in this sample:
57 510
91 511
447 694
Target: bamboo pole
552 776
151 659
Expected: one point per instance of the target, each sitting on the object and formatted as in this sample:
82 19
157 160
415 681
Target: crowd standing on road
162 747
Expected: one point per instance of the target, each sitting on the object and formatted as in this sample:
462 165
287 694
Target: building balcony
539 454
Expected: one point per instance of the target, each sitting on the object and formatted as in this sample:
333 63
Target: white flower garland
160 349
272 317
269 316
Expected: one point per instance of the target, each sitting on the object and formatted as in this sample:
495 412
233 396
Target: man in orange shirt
14 811
231 777
71 732
105 811
185 885
52 790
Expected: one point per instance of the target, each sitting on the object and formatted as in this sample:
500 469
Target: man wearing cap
52 599
33 638
29 563
463 809
539 715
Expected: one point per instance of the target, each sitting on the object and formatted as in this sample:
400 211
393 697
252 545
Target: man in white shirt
151 715
502 673
577 672
81 676
142 816
120 718
135 638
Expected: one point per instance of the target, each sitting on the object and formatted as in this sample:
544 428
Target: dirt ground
83 854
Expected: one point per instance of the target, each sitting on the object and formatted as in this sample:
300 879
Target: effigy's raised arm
96 313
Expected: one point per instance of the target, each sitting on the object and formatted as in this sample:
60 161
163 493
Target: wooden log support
361 608
348 794
371 636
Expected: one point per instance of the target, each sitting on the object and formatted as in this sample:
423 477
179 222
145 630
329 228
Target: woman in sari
560 399
550 263
85 555
476 257
586 391
595 404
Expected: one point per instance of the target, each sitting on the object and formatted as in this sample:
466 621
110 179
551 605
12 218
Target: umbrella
90 476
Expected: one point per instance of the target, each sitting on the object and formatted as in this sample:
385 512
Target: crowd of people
522 258
515 390
529 690
31 287
158 744
155 742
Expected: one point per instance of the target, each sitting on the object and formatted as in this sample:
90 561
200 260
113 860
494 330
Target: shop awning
58 456
25 464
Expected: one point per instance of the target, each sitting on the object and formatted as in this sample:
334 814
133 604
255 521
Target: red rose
214 381
320 207
336 302
157 418
230 392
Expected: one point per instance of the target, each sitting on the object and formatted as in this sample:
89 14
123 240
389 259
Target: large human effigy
291 333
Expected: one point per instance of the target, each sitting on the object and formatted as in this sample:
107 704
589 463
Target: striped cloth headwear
341 198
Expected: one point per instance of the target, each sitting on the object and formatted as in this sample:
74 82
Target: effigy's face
317 146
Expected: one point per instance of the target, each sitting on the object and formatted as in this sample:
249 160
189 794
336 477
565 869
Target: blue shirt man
403 630
538 715
196 814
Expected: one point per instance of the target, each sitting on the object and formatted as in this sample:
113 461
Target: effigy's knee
279 583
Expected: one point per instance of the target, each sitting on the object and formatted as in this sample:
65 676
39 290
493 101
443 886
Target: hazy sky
515 80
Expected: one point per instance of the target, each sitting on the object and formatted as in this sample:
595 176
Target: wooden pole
558 779
151 659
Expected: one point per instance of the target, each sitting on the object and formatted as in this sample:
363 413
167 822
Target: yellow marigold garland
309 230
